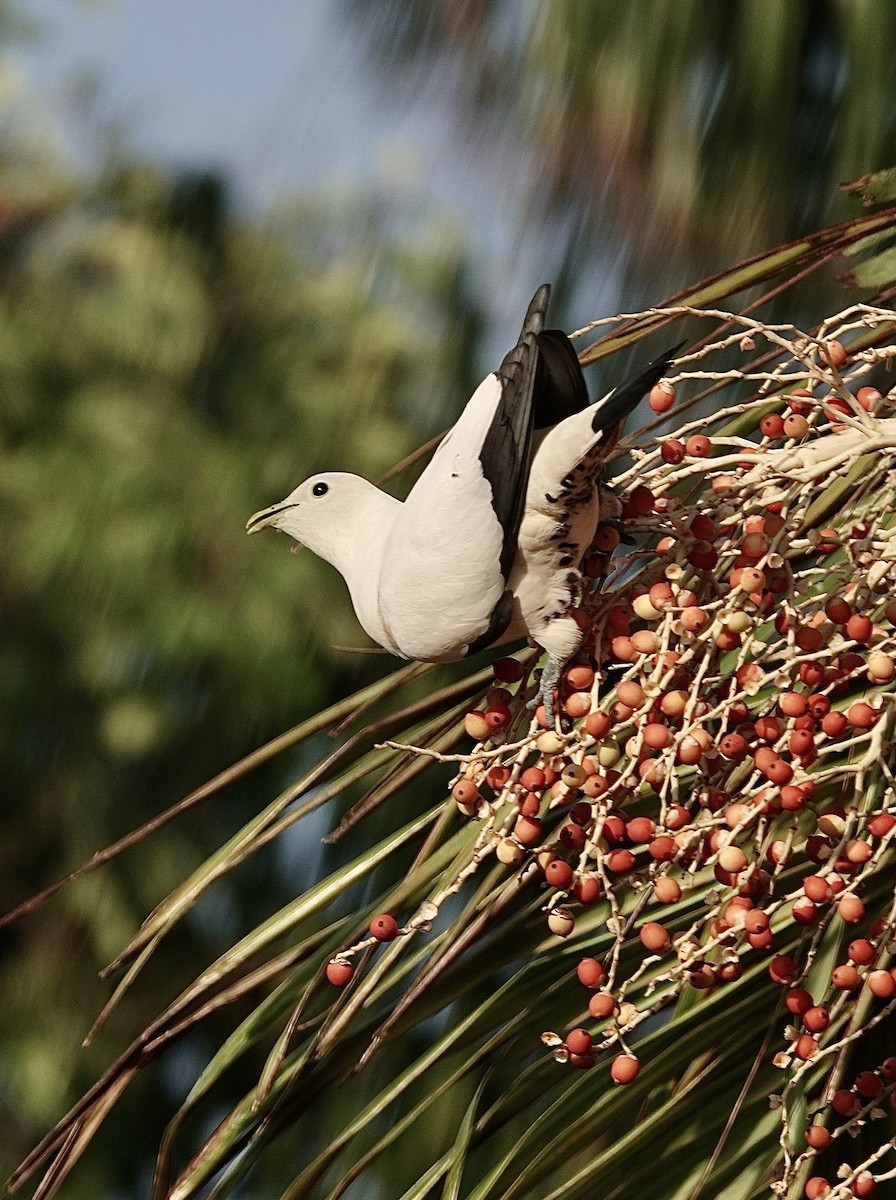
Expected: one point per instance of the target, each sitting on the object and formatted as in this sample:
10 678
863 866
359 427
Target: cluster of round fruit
720 784
733 715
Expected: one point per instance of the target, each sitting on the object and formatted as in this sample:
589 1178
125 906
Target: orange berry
698 446
624 1068
661 396
601 1005
339 972
654 937
477 726
817 1137
579 1041
630 693
851 909
845 977
528 830
590 972
795 426
834 353
668 890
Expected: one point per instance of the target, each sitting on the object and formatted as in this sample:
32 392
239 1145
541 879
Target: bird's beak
267 516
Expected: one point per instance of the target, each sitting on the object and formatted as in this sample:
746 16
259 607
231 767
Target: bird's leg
550 677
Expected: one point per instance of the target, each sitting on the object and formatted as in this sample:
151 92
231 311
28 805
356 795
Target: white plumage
486 547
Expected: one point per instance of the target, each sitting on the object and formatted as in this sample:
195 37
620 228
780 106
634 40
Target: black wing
507 447
560 388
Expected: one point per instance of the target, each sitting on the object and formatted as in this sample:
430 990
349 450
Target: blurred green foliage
167 367
698 132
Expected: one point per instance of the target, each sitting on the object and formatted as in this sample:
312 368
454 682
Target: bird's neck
356 550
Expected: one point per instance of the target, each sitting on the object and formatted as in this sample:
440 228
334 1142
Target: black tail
616 406
560 388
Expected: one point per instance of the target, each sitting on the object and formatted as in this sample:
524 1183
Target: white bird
486 547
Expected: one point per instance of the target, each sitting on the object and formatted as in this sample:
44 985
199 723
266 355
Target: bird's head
327 513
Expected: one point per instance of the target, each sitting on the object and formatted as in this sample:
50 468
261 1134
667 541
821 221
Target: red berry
861 951
507 670
772 425
339 972
558 873
863 1185
805 1046
639 502
384 927
654 937
698 446
818 1137
816 1019
590 972
783 969
586 888
624 1068
861 715
579 1041
869 1084
601 1005
817 1187
845 1103
620 861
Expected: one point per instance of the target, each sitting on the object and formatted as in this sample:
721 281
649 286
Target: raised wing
452 548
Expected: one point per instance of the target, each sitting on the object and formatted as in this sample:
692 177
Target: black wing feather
507 446
560 388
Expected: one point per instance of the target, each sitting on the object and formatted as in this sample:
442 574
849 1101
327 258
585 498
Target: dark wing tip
626 396
533 322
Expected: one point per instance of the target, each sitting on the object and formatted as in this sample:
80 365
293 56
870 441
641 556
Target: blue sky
279 94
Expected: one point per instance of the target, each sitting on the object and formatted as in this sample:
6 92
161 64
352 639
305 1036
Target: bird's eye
320 489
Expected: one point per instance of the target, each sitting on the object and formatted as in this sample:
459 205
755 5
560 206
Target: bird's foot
547 685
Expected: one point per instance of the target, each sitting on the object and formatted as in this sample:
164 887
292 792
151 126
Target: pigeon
487 546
